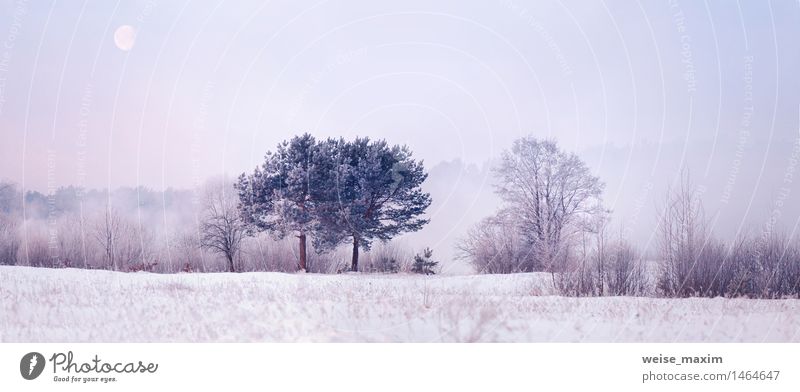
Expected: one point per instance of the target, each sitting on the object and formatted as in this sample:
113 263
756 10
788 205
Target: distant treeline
152 231
315 205
329 191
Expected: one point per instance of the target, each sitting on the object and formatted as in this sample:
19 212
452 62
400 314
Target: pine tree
282 195
373 193
423 264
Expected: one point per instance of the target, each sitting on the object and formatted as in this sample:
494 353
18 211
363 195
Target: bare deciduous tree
71 241
593 259
9 239
123 244
35 249
221 228
683 240
188 253
549 192
108 231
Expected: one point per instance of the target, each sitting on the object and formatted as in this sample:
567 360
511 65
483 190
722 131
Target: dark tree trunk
354 265
230 263
302 252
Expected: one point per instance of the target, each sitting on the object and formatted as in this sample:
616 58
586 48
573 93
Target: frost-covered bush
694 263
142 267
386 258
35 251
578 277
780 263
626 274
495 246
690 258
122 241
755 268
74 246
611 269
328 262
9 239
767 267
185 253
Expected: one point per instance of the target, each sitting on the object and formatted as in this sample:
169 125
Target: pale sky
638 88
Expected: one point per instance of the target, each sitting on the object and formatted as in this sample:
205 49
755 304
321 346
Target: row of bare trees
206 238
695 263
552 220
91 236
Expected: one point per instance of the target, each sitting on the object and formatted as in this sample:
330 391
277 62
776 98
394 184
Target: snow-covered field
51 305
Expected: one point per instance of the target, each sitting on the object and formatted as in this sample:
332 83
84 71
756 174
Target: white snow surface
73 305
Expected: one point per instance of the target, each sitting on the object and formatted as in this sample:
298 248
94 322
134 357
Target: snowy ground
47 305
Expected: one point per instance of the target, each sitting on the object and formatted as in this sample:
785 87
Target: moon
125 37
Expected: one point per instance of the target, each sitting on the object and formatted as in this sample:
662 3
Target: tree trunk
354 265
302 252
230 263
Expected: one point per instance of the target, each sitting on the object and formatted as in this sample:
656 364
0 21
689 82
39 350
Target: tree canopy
280 197
375 194
335 190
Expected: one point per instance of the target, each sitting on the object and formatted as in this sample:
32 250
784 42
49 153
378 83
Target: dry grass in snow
72 305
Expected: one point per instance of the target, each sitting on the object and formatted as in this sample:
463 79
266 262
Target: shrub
386 258
693 263
9 240
577 280
494 246
143 267
36 252
423 263
626 274
768 267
